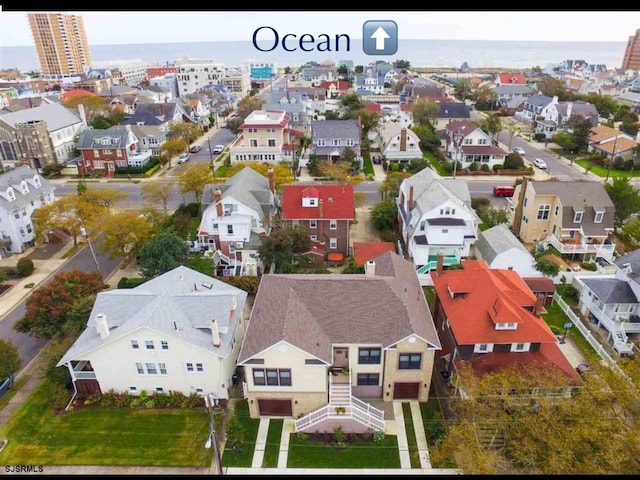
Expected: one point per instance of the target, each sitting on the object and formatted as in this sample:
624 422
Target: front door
340 357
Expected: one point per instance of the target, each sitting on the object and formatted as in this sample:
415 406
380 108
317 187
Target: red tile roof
340 84
337 202
513 78
76 92
365 251
489 296
540 284
373 107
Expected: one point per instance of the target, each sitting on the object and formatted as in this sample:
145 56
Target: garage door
281 408
406 390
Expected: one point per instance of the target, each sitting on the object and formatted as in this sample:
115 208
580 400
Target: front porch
578 245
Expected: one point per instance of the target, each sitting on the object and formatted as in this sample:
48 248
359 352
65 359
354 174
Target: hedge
243 282
152 170
132 282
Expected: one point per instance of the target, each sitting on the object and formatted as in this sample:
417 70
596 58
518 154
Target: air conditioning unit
239 245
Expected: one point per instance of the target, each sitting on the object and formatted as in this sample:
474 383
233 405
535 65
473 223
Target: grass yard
272 448
557 318
104 436
222 171
308 454
434 424
414 454
430 295
602 171
436 165
367 167
17 385
244 456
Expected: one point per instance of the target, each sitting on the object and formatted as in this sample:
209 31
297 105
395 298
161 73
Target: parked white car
217 149
540 163
184 158
519 150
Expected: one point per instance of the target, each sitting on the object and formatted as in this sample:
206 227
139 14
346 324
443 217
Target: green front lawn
367 167
309 454
243 456
414 454
602 171
222 171
104 436
556 317
434 424
435 164
272 449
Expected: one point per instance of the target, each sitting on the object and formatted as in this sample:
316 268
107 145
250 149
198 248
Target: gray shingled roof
538 100
179 303
497 240
90 139
291 108
314 312
610 290
248 187
508 89
453 110
335 129
14 178
54 114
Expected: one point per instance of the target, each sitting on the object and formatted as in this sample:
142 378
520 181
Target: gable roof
88 139
13 178
453 110
539 100
611 290
313 311
365 251
512 78
54 114
179 304
496 240
337 202
431 190
602 132
335 129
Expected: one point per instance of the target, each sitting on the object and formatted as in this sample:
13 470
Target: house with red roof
325 210
490 318
335 88
365 251
511 79
76 92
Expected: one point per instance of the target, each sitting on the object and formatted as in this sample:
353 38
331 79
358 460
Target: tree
566 141
194 179
283 249
493 125
78 315
331 115
403 65
424 111
234 125
10 361
359 199
186 131
281 172
383 215
426 132
547 267
161 254
552 87
390 187
625 198
352 102
172 147
368 120
104 197
462 88
158 191
125 233
48 306
248 105
513 130
100 123
581 128
94 106
492 215
513 161
25 267
485 97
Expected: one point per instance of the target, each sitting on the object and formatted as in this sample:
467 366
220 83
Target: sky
113 27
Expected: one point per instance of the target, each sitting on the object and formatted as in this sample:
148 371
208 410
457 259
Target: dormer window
506 326
24 187
11 195
598 217
577 217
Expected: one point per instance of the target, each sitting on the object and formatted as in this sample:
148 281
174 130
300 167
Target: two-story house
266 136
236 215
300 114
575 217
103 151
180 332
491 319
506 92
317 344
397 143
467 143
435 216
160 114
449 112
535 108
612 302
335 88
150 137
611 143
560 113
22 190
326 210
330 137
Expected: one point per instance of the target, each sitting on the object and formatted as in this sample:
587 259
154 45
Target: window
16 214
333 243
134 344
312 202
598 217
519 347
313 223
445 230
253 142
164 344
483 348
577 217
199 367
151 369
271 142
333 224
96 153
140 368
159 390
133 389
369 356
163 368
149 344
368 378
199 390
422 224
258 376
314 237
525 202
555 211
21 230
543 212
230 229
409 361
525 219
274 376
189 367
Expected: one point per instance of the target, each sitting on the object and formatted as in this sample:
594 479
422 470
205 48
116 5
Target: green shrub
589 266
193 401
25 267
302 435
59 395
539 136
555 329
474 167
378 437
243 282
123 400
132 282
485 167
30 285
498 166
152 170
618 163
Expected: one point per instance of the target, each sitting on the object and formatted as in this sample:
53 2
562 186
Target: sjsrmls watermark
24 469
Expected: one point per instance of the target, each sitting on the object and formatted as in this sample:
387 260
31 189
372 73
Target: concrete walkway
421 437
261 443
403 445
283 454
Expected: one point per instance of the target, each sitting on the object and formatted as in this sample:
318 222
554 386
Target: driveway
363 230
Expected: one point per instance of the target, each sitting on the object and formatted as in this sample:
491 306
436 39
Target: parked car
217 149
540 163
184 158
519 150
195 148
6 385
503 191
377 160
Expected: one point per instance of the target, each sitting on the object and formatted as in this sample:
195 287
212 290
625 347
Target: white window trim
477 348
525 347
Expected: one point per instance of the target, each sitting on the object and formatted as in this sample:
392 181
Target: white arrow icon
380 35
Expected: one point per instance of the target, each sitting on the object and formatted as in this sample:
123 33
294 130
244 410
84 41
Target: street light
83 232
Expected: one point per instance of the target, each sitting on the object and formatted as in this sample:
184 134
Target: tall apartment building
61 44
631 58
195 73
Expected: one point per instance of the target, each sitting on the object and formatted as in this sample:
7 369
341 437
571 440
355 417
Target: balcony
138 158
83 370
572 246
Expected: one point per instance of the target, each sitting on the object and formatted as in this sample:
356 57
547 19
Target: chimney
82 114
272 179
128 127
320 209
217 195
403 140
234 305
440 264
411 198
517 215
370 268
539 308
102 326
215 336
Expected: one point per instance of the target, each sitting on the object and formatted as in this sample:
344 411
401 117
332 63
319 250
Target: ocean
420 53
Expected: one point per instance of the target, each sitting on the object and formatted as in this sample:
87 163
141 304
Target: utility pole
210 154
209 402
83 232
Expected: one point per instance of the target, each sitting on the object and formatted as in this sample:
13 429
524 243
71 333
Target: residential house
513 105
574 217
22 191
178 332
611 143
467 143
558 114
330 137
450 111
236 216
505 92
167 81
500 248
326 210
150 137
612 302
160 114
335 88
157 94
200 107
433 92
128 103
61 124
579 86
237 80
103 151
300 114
266 136
75 93
632 99
490 319
317 344
317 74
365 251
535 108
313 97
370 84
397 143
435 216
